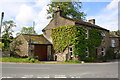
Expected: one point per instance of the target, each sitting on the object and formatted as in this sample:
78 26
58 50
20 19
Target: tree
115 32
25 30
7 33
69 9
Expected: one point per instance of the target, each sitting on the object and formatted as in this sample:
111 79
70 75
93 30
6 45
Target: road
96 70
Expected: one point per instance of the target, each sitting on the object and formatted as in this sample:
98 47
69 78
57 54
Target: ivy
65 36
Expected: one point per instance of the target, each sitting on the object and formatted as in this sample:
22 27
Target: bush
110 54
102 59
32 59
89 59
73 61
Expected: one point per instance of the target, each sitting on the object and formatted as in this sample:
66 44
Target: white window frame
103 51
87 34
87 52
71 55
113 43
103 36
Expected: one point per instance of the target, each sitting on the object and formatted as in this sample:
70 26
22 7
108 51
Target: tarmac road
95 70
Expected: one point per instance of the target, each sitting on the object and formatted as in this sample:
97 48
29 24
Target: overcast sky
24 12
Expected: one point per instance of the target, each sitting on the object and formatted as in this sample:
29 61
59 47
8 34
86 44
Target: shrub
110 54
32 59
89 59
73 61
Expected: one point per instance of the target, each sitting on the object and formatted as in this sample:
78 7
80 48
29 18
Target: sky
24 12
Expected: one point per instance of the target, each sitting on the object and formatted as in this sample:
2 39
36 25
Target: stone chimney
92 21
58 11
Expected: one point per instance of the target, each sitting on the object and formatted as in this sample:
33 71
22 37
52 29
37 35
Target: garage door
41 52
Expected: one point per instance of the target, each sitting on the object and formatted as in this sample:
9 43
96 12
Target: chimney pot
92 21
57 8
58 11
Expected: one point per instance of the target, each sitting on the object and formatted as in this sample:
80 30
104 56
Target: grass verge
18 60
28 60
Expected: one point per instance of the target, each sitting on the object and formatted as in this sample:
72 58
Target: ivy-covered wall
65 36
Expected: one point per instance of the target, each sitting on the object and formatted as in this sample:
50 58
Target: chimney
58 11
92 21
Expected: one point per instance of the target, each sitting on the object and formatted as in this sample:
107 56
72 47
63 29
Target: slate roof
80 22
114 36
36 39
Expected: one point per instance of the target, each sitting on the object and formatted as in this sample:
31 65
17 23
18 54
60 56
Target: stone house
115 44
34 45
42 45
59 21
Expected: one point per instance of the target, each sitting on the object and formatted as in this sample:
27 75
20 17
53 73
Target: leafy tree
7 29
69 9
115 32
7 33
25 30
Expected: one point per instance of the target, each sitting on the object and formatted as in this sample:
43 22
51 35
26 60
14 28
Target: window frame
87 34
103 36
87 52
103 51
71 51
112 43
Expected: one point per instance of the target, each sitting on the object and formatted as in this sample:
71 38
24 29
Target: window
112 43
103 36
103 52
71 52
87 33
87 52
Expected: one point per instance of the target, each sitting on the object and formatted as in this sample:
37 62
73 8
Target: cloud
112 5
42 20
26 15
108 17
41 3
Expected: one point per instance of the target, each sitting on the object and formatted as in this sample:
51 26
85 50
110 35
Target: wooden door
96 53
41 52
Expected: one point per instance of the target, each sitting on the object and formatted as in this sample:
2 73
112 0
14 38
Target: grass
72 61
27 60
18 60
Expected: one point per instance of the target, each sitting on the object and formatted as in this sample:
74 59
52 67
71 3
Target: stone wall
105 43
117 42
23 48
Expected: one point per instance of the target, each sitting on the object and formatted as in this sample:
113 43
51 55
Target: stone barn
34 45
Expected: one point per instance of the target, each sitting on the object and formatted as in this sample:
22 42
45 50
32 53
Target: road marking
46 77
60 76
72 77
7 77
23 77
39 77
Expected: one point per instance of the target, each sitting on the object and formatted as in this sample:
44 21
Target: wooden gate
41 52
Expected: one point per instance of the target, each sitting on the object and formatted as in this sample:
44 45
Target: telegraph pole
33 26
2 16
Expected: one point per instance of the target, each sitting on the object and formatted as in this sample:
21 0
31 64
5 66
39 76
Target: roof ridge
86 23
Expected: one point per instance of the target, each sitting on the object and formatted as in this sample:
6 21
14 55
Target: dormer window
87 34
